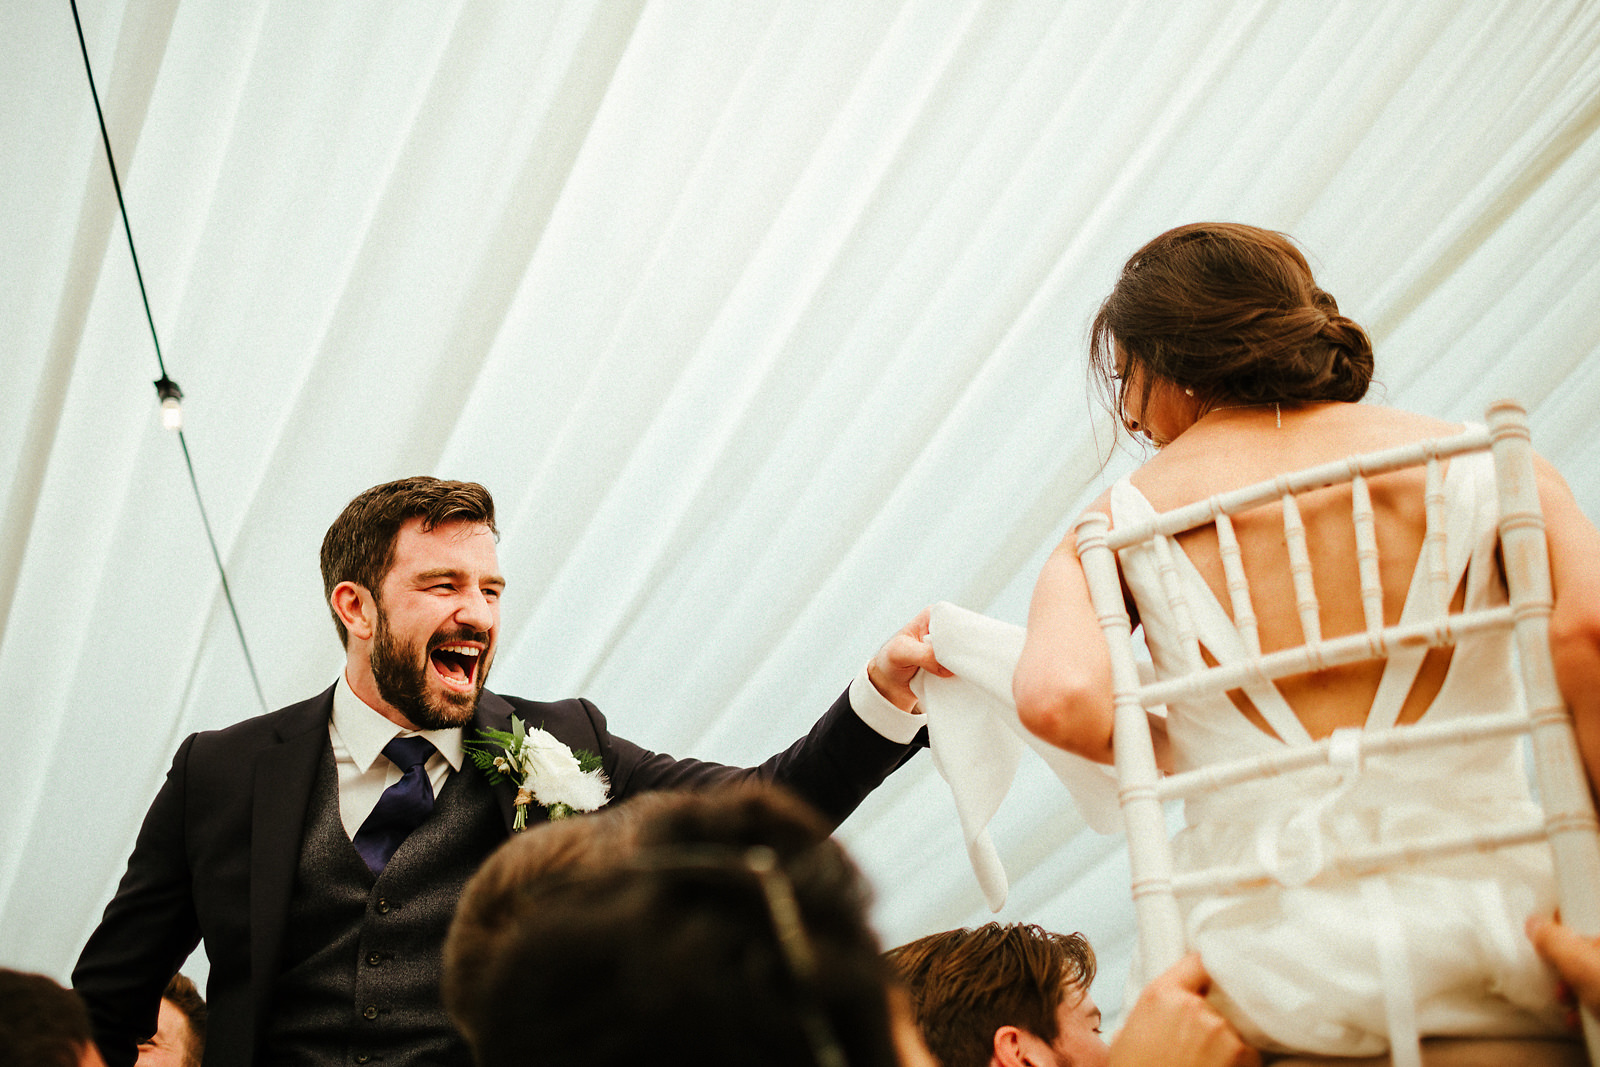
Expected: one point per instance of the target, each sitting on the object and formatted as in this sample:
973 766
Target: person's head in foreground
43 1024
1218 316
180 1037
723 927
1008 995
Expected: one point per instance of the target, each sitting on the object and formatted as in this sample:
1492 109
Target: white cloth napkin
977 739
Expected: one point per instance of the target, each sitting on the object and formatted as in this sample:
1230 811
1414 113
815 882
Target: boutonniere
561 780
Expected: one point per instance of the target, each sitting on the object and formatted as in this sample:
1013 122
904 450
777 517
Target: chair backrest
1569 822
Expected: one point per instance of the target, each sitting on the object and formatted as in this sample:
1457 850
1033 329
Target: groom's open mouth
456 663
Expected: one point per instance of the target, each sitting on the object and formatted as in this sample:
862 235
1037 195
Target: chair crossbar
1350 648
1176 521
1406 738
1358 863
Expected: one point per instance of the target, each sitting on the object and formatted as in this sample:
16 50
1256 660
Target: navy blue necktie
403 805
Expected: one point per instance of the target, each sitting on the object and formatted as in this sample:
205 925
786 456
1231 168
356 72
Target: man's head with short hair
43 1024
180 1037
720 928
974 991
359 546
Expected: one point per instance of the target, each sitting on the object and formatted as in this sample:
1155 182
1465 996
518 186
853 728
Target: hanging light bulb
171 403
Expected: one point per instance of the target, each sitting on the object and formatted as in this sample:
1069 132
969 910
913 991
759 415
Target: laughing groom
318 851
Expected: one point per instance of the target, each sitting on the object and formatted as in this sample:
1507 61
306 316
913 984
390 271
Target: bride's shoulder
1340 430
1399 420
1226 457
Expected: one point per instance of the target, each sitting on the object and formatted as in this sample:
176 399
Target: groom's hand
898 661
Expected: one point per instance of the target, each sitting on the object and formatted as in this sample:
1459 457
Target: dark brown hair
42 1024
1231 312
187 999
643 932
359 546
966 984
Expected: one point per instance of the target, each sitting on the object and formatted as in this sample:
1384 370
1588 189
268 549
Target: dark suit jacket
216 856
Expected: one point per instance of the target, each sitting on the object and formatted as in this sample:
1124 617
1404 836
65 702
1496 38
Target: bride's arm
1575 621
1062 683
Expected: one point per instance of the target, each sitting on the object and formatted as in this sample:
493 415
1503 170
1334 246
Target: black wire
227 593
149 318
117 185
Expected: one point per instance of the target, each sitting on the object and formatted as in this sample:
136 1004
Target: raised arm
1575 621
1062 683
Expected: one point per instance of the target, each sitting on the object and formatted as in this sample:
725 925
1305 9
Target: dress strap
1463 495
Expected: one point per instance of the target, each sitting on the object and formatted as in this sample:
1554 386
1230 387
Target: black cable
117 185
149 318
227 593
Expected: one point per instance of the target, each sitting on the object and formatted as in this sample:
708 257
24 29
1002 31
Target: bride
1218 347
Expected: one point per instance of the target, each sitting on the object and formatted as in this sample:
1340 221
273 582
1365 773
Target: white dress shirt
358 734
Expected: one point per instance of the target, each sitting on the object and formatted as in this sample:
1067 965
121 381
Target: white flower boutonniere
546 772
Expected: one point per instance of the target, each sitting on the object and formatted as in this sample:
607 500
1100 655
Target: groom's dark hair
359 546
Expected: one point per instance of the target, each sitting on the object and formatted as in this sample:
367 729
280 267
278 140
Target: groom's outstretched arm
871 729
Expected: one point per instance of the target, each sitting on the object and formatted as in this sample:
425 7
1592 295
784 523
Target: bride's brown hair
1231 312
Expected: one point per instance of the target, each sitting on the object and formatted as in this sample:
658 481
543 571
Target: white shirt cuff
874 709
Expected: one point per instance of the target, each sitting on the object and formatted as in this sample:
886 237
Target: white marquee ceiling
763 321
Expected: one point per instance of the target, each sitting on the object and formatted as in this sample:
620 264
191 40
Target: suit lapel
281 790
494 714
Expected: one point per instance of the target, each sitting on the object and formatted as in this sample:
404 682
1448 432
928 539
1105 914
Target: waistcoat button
374 959
370 1013
383 906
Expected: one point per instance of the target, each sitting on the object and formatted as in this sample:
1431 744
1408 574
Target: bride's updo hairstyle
1232 313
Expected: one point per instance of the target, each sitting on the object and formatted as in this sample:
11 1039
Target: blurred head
1004 994
43 1024
180 1037
360 545
1230 312
717 928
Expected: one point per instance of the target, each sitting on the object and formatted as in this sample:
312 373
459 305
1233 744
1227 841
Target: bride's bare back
1235 447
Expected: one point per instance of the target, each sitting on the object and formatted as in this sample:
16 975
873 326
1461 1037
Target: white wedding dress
1329 969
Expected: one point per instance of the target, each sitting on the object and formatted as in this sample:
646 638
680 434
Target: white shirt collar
365 731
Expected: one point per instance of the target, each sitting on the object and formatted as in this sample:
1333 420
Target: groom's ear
357 609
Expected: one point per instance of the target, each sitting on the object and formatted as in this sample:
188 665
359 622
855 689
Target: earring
1188 391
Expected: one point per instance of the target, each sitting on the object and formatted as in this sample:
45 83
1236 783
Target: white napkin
977 739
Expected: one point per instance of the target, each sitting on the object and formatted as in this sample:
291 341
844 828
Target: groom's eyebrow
450 572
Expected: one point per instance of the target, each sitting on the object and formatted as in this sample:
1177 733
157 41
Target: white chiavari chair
1568 824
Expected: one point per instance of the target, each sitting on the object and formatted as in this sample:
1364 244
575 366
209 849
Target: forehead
1078 1007
171 1022
465 547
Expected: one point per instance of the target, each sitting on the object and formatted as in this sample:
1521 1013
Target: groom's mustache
461 634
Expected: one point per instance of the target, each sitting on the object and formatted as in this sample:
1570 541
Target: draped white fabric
763 321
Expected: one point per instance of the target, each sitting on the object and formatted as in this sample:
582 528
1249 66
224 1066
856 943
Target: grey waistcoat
359 980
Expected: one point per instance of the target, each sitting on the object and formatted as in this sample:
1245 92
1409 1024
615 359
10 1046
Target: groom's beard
401 672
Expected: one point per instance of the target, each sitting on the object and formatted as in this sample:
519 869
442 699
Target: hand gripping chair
1569 822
